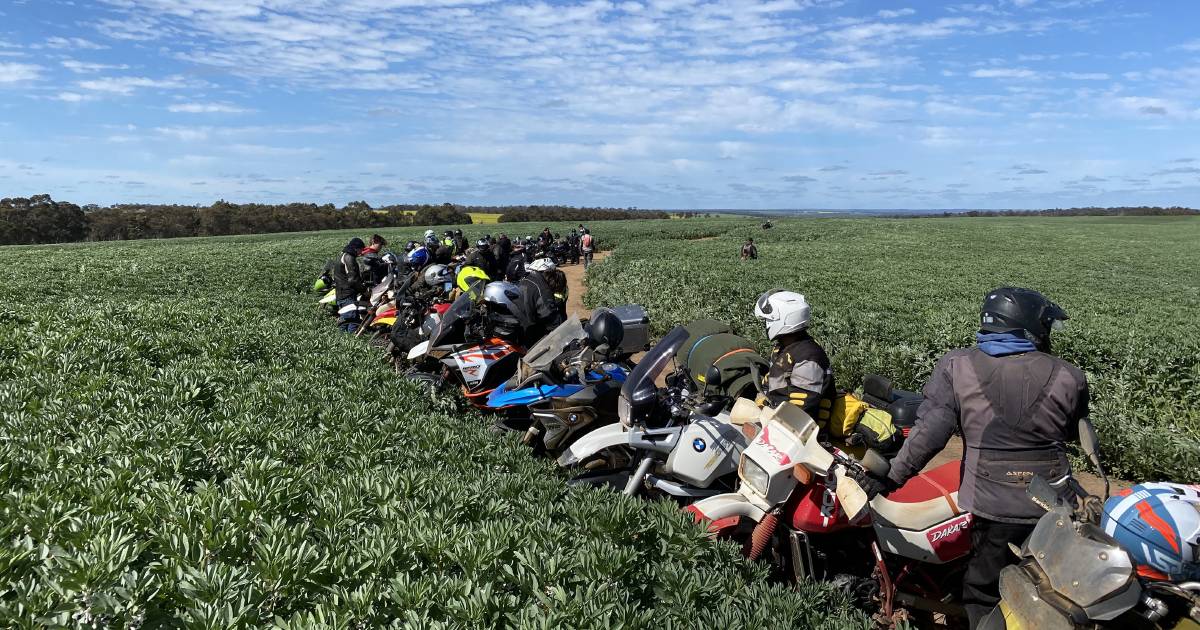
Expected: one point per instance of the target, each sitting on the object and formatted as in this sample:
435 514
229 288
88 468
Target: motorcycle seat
926 500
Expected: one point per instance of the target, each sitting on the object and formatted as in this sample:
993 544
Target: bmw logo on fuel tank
699 445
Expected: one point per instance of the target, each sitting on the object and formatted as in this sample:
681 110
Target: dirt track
575 286
952 452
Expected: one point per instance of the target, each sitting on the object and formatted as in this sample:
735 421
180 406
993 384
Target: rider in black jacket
1018 406
348 282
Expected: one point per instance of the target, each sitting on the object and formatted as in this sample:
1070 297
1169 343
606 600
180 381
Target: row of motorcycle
681 424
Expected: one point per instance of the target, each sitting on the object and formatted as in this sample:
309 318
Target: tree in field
40 219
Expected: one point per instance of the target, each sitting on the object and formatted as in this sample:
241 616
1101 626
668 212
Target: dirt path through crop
575 286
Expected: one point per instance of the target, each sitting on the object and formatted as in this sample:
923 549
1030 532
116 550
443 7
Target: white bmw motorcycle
667 443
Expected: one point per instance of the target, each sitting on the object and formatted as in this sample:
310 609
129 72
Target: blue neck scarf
1003 344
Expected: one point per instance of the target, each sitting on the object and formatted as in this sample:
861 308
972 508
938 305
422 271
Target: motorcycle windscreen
641 388
543 353
380 289
451 328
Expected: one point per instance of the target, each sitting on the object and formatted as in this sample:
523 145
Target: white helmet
437 275
541 264
429 234
783 311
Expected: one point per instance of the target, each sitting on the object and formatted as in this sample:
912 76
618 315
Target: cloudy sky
649 103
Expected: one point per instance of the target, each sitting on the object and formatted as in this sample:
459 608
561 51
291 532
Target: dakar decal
952 538
764 440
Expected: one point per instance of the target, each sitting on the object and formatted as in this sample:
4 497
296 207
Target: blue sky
650 103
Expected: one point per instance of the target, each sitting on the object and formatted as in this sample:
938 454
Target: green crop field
184 441
890 296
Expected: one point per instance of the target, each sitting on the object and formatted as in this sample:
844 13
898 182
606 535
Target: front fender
724 510
593 442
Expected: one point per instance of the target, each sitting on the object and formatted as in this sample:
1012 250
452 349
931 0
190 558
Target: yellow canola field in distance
485 217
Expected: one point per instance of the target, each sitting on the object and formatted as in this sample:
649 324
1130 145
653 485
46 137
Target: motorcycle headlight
754 476
624 412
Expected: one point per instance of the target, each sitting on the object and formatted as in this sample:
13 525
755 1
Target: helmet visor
764 302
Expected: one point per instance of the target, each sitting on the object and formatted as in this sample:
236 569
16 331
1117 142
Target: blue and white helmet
417 258
1159 525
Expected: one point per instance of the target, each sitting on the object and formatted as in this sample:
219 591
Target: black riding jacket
539 303
801 373
1016 413
347 278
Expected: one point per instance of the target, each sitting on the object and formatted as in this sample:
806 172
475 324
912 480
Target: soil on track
575 286
952 452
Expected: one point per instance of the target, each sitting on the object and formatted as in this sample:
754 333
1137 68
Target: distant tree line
520 214
1123 211
40 219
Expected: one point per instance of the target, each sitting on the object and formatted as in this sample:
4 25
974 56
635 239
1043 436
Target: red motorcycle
903 554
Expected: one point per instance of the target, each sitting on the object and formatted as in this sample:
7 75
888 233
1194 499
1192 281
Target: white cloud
71 97
884 33
77 43
895 13
1085 76
942 108
1004 73
18 72
206 108
129 85
185 134
259 150
1151 108
84 67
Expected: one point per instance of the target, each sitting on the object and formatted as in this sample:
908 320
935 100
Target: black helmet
355 246
605 331
1011 309
458 232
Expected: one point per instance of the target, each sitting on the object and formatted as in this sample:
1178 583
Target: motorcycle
464 351
797 507
1072 574
381 309
565 384
559 252
668 442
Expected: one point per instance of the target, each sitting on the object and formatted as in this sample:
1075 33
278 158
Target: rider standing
348 281
540 290
1017 406
586 247
800 370
749 250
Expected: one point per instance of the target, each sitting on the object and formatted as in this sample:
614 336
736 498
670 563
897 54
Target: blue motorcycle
566 384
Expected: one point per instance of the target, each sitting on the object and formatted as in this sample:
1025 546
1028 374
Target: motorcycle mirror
712 378
876 464
1090 443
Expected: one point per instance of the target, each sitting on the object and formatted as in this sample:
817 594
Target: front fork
635 481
